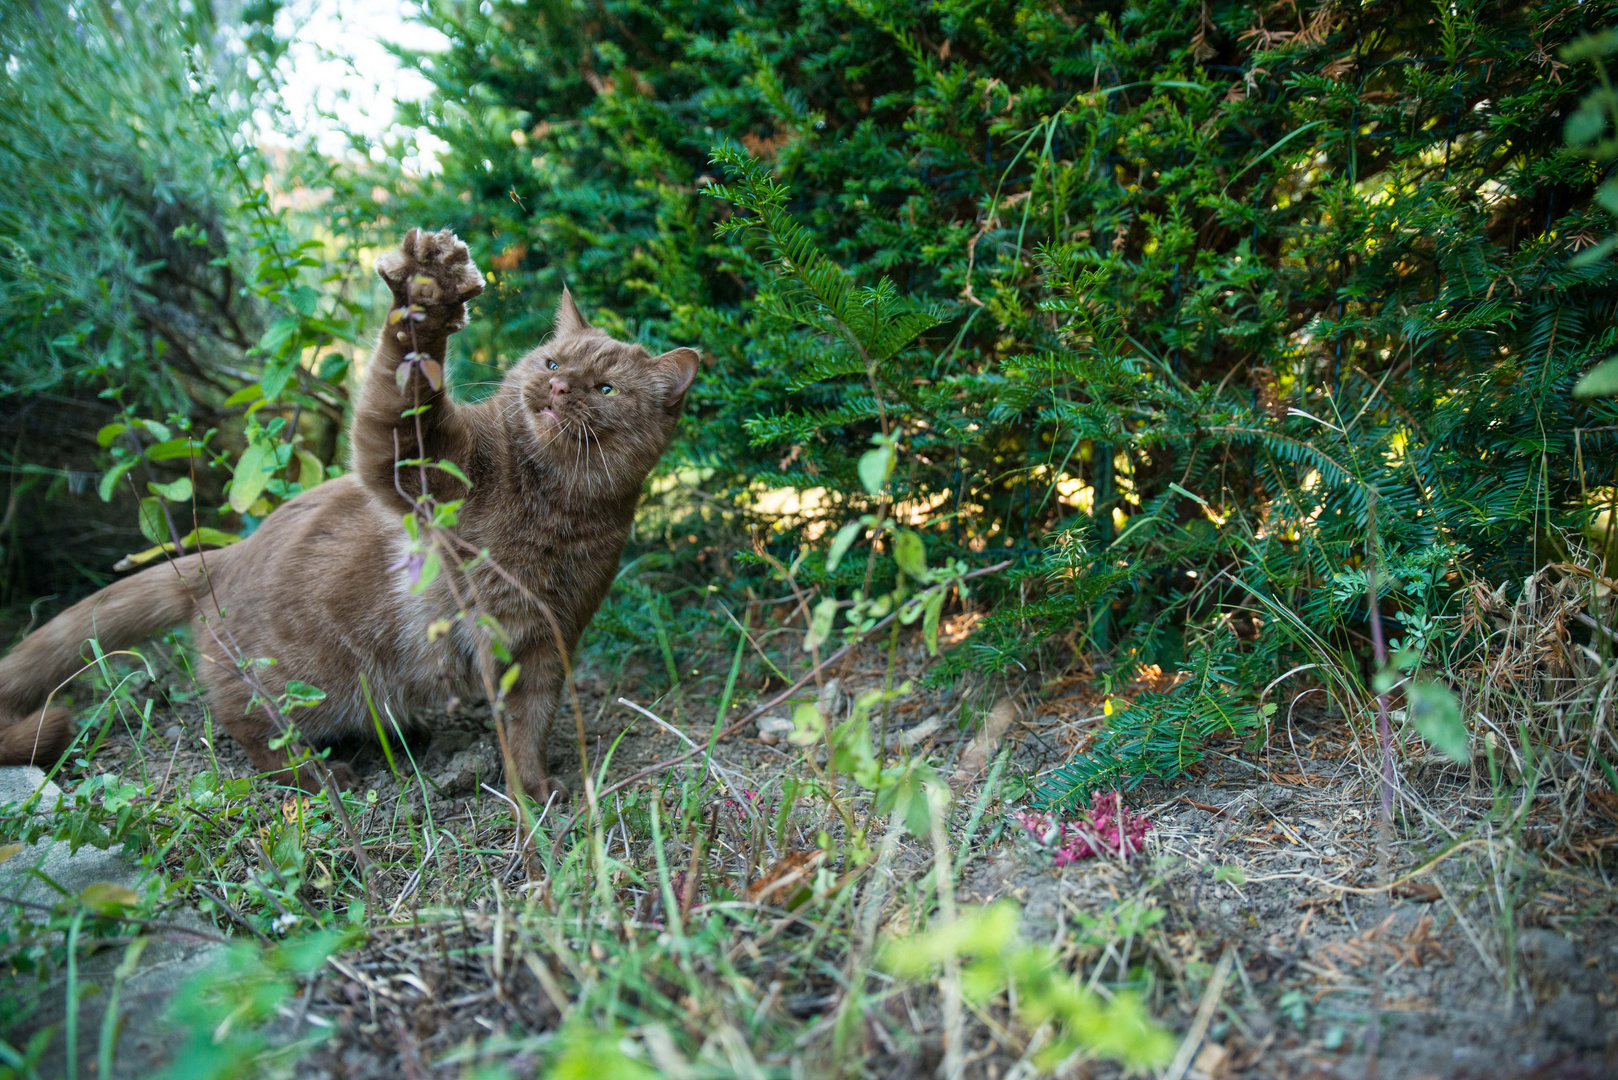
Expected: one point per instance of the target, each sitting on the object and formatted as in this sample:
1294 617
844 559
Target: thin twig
1205 1013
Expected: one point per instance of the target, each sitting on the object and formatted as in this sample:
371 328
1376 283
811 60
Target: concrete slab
145 1043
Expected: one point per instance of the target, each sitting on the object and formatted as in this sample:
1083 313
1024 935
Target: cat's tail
125 613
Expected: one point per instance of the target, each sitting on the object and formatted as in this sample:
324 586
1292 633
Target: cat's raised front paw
432 276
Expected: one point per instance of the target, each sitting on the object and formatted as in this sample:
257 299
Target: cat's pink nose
558 387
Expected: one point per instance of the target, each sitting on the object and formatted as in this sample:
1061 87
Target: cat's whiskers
606 469
583 467
578 447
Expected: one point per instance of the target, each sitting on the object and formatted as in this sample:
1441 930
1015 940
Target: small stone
1576 1019
174 733
1547 950
772 729
1210 1060
831 699
1227 907
460 776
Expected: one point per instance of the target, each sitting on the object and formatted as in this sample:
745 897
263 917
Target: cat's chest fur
548 548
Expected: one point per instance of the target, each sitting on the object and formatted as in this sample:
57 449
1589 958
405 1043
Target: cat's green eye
608 389
552 365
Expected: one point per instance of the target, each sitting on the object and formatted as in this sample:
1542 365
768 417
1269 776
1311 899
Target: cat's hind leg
249 723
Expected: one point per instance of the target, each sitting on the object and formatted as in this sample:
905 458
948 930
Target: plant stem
1384 733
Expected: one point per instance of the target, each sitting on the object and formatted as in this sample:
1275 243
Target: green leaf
447 515
1607 196
253 470
107 898
876 466
446 465
808 725
1591 46
333 368
929 623
310 471
301 695
244 396
276 337
174 491
192 540
304 956
1599 381
153 525
172 448
1585 125
842 542
214 537
110 478
1435 713
276 376
105 436
588 1053
304 299
851 752
429 573
820 623
976 931
910 553
1230 873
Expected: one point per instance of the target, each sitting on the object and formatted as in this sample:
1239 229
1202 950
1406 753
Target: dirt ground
1274 947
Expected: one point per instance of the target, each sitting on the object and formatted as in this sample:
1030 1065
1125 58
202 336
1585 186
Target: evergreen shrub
1211 280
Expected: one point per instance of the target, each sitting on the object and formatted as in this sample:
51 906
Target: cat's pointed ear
681 368
568 319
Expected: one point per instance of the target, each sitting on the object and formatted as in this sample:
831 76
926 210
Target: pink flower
1108 827
754 799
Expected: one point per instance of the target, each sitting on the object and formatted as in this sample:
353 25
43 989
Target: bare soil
1269 861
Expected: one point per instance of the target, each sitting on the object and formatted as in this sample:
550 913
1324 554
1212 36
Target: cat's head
587 396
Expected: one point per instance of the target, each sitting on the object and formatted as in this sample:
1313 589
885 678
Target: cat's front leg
530 707
404 412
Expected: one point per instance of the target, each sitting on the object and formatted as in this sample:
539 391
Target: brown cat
556 460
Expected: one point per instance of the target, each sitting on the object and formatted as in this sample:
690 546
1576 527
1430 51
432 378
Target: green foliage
1587 133
118 277
1162 733
148 271
116 270
997 960
1437 715
224 1008
587 1053
1152 297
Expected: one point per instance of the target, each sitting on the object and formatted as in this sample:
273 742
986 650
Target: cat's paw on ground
433 273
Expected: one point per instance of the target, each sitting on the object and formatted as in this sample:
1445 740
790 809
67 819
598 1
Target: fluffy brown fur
556 461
